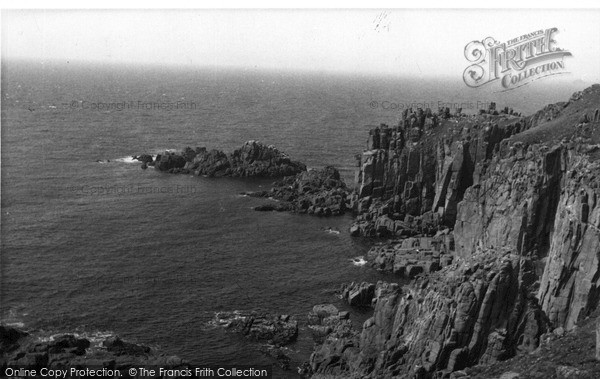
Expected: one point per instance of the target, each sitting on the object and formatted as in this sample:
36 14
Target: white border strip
305 4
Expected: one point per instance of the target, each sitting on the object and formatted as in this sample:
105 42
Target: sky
418 43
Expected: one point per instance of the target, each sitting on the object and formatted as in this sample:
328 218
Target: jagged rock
359 294
316 192
119 347
412 256
320 312
9 338
275 330
452 320
144 158
253 159
169 161
213 163
20 349
273 207
325 319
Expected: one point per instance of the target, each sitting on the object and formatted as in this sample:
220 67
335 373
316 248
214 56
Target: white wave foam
95 338
15 324
127 160
162 151
359 261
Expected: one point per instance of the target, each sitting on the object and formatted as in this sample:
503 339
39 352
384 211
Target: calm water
154 256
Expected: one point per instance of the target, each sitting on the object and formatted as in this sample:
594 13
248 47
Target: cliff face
514 201
569 286
411 179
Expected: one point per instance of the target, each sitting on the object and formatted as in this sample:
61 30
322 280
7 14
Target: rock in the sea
275 330
316 192
321 311
325 319
253 159
169 161
144 158
20 349
119 347
275 207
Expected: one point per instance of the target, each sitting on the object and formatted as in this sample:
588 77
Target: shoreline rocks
366 294
413 256
278 330
22 349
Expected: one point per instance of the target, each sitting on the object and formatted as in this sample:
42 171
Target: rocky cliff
495 218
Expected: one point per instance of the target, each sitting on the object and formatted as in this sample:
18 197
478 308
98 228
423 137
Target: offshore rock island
253 159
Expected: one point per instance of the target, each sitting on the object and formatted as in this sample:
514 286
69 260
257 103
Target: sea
94 245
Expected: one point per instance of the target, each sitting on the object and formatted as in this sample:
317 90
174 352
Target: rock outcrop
472 311
19 349
366 294
253 159
358 294
319 192
413 256
277 330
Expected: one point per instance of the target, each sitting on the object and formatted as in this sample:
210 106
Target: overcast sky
399 42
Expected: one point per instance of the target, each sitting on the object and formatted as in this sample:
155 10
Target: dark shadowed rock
67 350
316 192
253 159
169 161
359 294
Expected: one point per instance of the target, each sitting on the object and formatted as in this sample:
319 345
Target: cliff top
578 117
